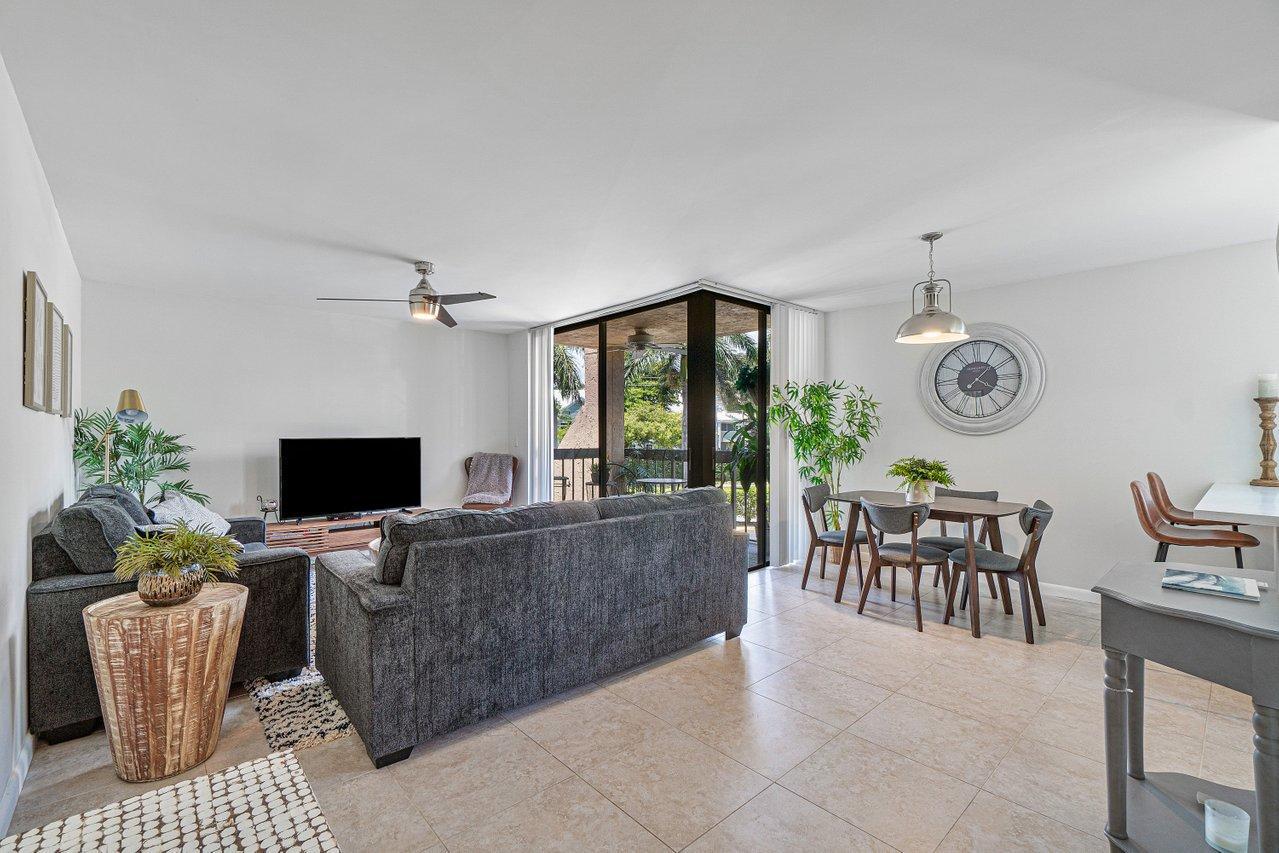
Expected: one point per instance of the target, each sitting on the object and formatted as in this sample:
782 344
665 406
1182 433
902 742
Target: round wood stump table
163 674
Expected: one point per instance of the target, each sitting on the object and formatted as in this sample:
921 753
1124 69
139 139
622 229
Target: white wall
38 477
235 376
1150 367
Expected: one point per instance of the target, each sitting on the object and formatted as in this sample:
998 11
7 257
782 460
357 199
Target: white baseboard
1072 592
13 785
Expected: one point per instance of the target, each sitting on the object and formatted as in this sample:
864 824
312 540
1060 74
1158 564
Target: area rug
265 804
302 711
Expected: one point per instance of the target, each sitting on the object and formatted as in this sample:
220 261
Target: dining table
967 511
1242 503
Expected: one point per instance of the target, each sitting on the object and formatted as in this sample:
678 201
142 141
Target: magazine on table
1208 583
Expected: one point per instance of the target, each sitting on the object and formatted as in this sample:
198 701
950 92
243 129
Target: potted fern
918 477
172 565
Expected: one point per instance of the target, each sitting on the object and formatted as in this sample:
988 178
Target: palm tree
566 372
732 353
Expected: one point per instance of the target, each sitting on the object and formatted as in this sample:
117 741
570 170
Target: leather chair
914 557
814 499
1176 515
1165 533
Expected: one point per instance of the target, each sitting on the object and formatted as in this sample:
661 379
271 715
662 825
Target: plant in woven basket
918 476
171 565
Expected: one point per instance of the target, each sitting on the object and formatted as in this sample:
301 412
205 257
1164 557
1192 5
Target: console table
320 536
1225 641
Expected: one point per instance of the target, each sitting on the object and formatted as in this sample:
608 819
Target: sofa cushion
400 531
176 507
624 505
89 531
123 498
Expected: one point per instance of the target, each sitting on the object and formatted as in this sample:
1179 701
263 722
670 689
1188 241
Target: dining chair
950 543
1033 519
814 499
1165 533
895 520
1176 515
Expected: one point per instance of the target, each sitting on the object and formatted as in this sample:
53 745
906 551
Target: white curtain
798 354
540 438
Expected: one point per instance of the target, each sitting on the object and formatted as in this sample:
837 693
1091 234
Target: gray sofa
465 614
72 564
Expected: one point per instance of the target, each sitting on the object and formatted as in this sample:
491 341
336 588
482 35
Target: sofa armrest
247 528
276 635
365 649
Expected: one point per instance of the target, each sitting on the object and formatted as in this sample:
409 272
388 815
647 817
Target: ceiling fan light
423 310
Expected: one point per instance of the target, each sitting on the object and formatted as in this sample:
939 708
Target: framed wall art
34 340
53 390
67 370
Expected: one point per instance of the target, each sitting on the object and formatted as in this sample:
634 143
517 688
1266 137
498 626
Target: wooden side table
1227 642
163 674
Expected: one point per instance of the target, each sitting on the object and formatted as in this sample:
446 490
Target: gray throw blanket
490 480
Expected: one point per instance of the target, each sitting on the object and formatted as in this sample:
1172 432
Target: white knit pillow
177 507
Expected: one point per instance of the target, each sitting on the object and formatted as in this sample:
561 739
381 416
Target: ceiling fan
641 342
424 303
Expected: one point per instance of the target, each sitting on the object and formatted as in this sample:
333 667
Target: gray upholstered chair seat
946 543
987 560
837 537
899 553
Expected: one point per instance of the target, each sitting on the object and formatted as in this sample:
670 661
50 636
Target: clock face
978 379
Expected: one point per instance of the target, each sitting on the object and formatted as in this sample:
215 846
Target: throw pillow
89 532
123 498
177 507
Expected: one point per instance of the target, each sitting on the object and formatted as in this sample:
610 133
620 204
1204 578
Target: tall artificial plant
829 425
143 456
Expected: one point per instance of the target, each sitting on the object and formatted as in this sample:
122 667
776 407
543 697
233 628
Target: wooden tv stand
320 536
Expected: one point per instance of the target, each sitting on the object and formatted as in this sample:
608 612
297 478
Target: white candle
1268 385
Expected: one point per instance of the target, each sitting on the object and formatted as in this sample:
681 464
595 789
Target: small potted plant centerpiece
173 564
919 477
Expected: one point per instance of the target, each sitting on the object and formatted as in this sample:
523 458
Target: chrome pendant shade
930 324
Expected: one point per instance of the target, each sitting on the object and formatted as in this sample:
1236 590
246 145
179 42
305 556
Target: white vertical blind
798 354
540 439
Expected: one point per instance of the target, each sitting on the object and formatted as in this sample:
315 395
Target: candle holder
1267 477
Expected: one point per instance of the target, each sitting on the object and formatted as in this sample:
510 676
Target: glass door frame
702 430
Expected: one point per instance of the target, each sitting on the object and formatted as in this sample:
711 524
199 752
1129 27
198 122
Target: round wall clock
986 384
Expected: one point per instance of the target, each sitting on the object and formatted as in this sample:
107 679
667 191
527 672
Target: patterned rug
265 804
302 711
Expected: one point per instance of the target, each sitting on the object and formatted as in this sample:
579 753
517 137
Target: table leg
1136 717
1265 772
974 609
1116 701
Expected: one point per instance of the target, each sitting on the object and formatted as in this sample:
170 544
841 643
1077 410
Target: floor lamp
129 410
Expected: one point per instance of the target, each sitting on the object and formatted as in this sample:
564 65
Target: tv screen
336 476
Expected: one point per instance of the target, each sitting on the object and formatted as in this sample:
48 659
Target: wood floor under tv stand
319 536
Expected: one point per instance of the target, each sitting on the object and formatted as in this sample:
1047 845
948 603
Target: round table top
130 606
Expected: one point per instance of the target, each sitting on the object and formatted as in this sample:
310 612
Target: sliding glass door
667 397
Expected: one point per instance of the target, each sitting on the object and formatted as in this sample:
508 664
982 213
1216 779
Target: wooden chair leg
915 572
871 573
893 577
1035 596
990 582
857 558
1005 595
822 574
937 574
808 564
1238 558
963 598
1024 585
951 588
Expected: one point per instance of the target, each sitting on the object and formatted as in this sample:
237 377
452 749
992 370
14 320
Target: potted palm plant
829 425
919 477
172 565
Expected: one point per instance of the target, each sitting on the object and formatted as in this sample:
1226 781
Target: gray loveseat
465 614
72 564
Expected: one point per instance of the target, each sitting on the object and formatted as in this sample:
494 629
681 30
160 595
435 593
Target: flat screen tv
340 476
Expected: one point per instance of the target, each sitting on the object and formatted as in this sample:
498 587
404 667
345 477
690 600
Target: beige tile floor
819 729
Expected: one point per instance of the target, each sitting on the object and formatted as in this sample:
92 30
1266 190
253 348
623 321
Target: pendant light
931 325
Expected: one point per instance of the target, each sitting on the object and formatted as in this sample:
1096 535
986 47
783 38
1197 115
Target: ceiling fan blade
344 299
459 298
445 317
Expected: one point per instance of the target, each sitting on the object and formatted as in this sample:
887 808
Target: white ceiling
569 155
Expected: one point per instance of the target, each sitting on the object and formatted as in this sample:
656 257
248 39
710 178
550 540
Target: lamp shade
424 310
931 326
129 410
